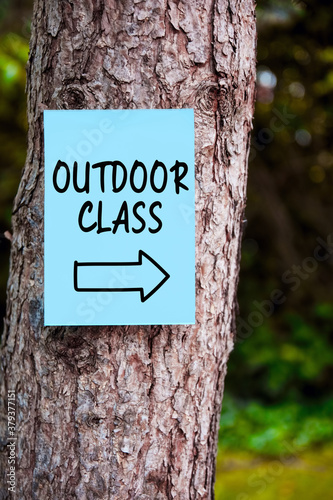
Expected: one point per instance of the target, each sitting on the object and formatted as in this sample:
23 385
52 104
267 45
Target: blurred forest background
276 437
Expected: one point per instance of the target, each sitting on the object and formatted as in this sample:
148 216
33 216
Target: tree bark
131 412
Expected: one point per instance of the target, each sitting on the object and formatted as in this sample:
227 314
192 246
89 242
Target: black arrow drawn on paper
95 276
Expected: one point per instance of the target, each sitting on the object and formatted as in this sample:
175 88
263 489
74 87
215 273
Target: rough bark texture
131 412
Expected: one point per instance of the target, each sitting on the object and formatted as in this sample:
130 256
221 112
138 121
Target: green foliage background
276 429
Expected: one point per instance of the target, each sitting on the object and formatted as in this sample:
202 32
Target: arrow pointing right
148 276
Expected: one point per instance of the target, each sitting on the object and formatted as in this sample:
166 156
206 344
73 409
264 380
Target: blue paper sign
119 217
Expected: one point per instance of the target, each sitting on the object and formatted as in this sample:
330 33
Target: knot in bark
206 96
72 97
73 350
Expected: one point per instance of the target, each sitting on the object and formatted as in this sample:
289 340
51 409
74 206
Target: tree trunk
131 412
